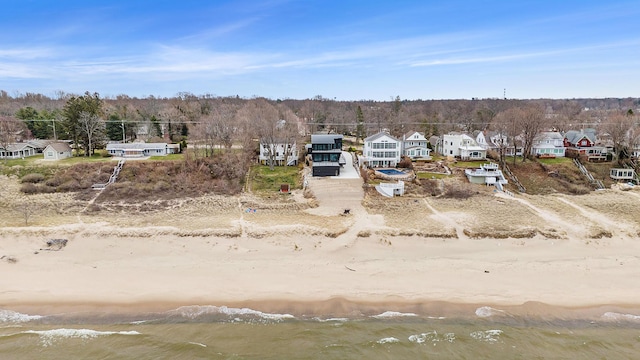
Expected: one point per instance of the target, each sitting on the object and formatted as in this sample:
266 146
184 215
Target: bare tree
9 129
218 128
502 124
262 121
532 121
92 126
619 126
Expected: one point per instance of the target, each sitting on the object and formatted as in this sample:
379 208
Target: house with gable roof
463 147
548 144
414 146
57 151
583 143
17 151
382 150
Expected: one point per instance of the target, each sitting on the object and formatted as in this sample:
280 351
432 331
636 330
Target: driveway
347 171
336 193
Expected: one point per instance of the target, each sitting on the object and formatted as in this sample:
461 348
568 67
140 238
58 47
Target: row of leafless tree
213 124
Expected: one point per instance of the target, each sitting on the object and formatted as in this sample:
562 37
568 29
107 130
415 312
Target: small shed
57 151
622 174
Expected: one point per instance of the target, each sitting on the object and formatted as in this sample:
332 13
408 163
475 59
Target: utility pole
124 140
55 137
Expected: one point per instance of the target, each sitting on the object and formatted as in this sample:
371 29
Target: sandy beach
568 251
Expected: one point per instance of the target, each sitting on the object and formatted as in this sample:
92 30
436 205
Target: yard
264 180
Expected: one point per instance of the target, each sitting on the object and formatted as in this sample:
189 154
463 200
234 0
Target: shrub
32 178
405 163
29 188
161 186
71 185
458 192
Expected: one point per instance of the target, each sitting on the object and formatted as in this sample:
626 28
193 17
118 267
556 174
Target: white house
462 146
382 150
133 150
280 150
548 144
414 146
17 151
57 151
635 148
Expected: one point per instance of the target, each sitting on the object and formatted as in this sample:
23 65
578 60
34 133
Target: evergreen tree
359 125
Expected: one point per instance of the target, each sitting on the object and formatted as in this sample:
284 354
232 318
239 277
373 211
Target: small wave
197 343
613 316
388 340
16 317
433 337
487 335
49 337
195 311
392 314
487 311
331 319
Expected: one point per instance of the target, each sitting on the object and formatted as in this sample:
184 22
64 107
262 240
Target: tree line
214 124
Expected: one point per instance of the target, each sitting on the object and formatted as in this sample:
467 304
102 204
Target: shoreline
340 308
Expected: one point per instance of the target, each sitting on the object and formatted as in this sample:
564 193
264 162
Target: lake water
219 332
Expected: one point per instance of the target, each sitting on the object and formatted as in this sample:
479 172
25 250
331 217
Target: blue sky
347 50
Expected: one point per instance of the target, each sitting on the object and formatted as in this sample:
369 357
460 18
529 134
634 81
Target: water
391 172
210 332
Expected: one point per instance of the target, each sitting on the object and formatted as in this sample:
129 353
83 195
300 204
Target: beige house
57 151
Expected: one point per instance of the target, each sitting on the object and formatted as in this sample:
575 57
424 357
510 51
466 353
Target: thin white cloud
25 53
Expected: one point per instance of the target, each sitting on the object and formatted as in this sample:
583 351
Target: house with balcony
382 150
583 144
414 146
488 174
462 146
548 144
326 154
283 152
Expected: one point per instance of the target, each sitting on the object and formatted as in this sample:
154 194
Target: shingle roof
141 146
60 146
379 135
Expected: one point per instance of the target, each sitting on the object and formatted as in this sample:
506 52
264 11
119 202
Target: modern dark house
326 152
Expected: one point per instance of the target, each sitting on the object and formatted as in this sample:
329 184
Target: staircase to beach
514 179
596 183
112 178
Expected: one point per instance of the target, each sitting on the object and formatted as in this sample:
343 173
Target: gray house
326 153
17 151
57 151
135 150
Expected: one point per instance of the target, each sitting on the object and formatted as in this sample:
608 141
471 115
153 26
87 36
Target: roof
325 138
40 143
410 134
60 146
18 146
140 146
550 135
573 136
379 136
417 147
